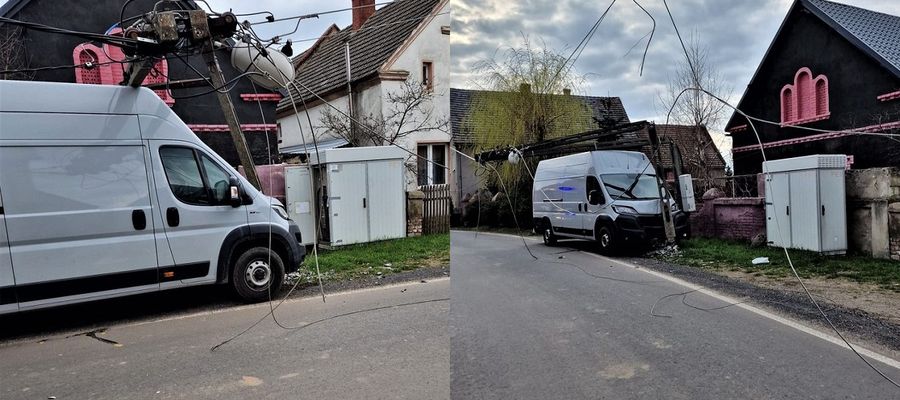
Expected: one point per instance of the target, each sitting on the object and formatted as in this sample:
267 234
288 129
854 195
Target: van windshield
631 186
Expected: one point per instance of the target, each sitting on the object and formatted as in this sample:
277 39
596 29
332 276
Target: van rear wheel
257 272
606 240
549 237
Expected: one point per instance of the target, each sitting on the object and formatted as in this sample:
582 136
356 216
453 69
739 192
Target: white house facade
406 42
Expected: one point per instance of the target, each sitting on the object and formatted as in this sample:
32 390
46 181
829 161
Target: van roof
77 98
600 162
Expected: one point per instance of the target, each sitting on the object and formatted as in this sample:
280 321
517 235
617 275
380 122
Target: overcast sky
736 31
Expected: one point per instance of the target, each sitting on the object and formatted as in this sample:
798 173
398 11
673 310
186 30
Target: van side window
594 185
217 179
194 178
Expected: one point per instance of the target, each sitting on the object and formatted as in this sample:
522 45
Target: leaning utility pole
163 31
666 212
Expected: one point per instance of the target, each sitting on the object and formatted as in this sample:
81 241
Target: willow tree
525 98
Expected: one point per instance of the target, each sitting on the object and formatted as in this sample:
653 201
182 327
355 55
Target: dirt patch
867 297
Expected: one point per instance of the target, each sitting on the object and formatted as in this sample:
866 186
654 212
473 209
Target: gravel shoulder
864 313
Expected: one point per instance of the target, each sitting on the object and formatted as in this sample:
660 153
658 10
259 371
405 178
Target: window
189 182
593 185
631 186
430 164
427 76
805 100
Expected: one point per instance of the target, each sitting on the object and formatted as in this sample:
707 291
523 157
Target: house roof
325 70
12 7
876 34
602 108
690 139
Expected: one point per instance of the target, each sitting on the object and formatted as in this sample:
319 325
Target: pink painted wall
271 178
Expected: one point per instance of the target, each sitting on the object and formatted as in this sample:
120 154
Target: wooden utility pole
664 207
234 127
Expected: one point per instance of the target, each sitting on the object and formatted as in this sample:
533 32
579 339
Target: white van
105 192
610 197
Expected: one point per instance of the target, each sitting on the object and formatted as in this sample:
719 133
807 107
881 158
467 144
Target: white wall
429 45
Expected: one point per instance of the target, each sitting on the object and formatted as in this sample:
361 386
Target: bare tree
12 55
410 110
694 108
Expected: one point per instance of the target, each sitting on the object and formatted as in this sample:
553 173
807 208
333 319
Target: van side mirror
595 197
234 192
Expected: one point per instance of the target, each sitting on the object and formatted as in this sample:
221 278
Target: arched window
806 100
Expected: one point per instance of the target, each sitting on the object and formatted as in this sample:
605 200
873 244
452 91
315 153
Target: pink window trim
224 127
108 71
261 97
739 128
806 100
822 136
850 162
890 96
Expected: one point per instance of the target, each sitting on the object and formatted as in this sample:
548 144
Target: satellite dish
276 65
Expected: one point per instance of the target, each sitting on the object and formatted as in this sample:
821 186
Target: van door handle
823 210
138 220
364 202
787 210
172 216
579 207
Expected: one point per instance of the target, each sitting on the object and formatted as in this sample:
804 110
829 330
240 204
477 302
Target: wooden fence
436 218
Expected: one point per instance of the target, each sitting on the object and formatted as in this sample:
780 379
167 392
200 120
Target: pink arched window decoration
806 100
109 70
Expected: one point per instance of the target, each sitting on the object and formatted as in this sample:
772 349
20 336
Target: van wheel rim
258 274
547 235
604 239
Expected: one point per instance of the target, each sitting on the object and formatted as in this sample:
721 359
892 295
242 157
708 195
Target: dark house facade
202 113
831 73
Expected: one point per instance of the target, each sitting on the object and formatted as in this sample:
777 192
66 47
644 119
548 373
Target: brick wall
730 218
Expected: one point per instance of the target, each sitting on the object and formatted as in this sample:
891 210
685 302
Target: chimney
362 10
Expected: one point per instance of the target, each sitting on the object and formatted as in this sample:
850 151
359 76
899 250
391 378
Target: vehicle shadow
104 313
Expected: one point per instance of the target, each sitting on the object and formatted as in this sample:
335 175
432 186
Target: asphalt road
378 343
579 326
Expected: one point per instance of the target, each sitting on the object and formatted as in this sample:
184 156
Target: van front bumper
644 228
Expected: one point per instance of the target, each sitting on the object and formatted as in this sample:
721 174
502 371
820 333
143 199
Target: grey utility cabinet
806 203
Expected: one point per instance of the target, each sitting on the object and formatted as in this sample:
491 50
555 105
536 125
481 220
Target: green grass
370 258
717 254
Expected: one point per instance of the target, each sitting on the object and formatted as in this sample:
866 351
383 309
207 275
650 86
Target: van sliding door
7 281
77 207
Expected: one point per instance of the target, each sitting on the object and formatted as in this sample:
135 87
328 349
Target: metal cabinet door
299 201
347 196
833 210
386 201
778 196
804 217
7 280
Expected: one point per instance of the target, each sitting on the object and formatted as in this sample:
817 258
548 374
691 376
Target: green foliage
524 102
403 254
717 254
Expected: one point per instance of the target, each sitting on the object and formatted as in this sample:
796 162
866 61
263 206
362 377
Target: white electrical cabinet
366 193
688 202
806 203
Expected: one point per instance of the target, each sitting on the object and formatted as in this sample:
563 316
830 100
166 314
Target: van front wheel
606 240
257 272
549 237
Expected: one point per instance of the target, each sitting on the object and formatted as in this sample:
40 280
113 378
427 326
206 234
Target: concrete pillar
881 240
415 212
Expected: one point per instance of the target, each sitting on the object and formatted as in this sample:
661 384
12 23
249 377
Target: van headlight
281 211
624 210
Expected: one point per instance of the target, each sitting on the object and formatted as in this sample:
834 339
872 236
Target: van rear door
7 280
77 207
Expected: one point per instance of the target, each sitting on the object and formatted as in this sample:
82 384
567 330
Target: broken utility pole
165 33
666 212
